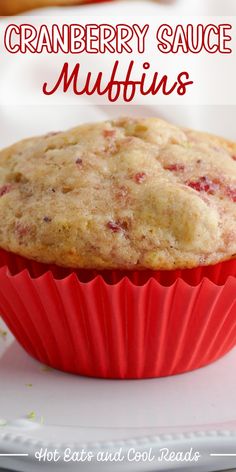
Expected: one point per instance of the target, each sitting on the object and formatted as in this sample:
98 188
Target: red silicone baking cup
116 324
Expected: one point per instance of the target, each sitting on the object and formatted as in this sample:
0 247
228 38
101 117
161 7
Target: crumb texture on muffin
124 194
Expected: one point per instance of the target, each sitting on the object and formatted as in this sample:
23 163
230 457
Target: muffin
126 230
127 194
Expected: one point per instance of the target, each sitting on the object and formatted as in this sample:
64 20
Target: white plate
195 410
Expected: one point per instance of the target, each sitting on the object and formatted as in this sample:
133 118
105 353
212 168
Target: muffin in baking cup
133 193
124 325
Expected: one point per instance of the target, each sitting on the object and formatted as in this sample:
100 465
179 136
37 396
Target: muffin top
124 194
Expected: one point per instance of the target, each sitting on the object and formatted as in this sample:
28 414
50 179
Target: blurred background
213 7
14 7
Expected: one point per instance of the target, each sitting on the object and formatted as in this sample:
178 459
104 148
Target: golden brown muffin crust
124 194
